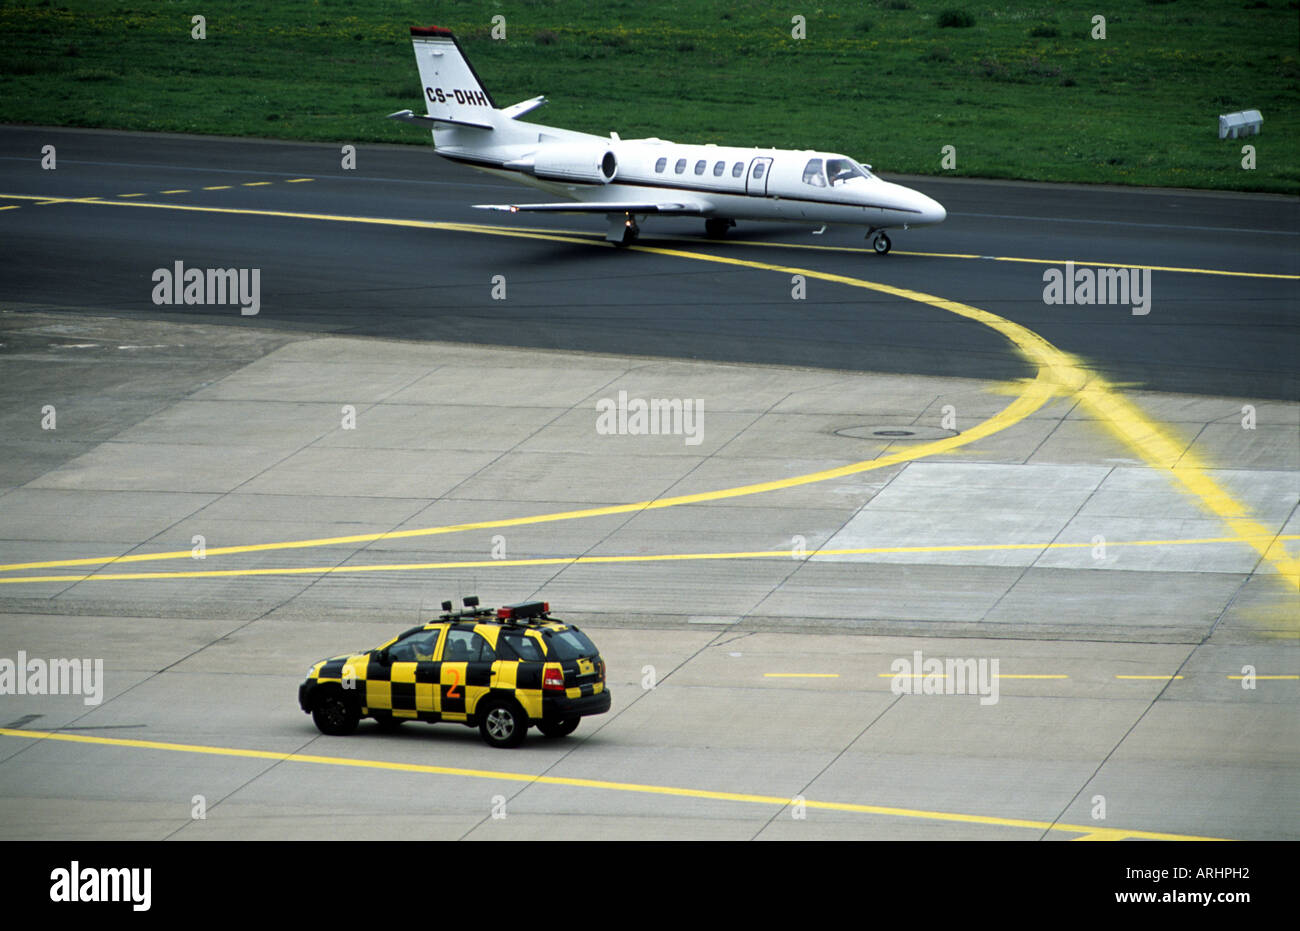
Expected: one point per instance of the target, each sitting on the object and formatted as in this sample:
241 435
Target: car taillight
553 679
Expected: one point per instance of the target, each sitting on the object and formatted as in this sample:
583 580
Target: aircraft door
756 180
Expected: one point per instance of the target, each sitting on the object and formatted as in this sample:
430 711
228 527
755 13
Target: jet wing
679 208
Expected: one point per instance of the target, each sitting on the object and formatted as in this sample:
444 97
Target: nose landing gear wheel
881 244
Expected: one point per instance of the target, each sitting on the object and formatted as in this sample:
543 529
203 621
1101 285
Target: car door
404 661
466 671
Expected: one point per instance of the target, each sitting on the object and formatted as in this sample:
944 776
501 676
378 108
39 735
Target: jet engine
591 164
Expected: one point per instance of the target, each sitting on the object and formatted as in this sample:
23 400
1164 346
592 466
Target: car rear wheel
559 727
503 724
335 715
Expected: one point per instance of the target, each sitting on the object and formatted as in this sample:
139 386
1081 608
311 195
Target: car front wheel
335 715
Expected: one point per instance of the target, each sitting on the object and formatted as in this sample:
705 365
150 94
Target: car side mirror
383 658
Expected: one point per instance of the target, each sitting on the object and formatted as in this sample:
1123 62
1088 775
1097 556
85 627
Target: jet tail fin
453 92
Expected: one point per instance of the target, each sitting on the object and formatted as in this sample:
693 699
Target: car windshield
569 644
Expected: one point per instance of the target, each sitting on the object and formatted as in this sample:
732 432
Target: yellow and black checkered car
501 671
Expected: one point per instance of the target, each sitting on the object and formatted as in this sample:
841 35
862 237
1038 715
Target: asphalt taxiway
919 455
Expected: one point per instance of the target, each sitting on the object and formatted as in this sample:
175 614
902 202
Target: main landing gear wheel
716 227
622 230
881 244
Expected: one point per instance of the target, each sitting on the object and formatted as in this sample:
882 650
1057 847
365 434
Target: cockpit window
843 169
813 173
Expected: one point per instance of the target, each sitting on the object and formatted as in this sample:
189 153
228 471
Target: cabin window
813 173
737 169
699 166
759 168
718 169
680 166
843 169
661 165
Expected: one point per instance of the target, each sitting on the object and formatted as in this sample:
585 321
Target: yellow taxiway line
573 560
1090 831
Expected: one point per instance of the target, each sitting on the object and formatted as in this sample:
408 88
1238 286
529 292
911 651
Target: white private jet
629 179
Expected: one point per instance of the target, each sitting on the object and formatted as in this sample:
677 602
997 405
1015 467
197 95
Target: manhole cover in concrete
910 432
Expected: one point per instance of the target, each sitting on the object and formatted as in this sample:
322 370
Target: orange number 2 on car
455 683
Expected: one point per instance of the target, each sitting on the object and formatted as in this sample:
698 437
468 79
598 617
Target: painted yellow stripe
595 784
298 180
1159 678
11 207
1058 372
42 201
179 190
1289 678
131 195
1048 675
219 187
545 561
801 675
860 250
255 183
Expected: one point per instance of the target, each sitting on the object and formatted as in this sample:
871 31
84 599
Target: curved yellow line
1058 373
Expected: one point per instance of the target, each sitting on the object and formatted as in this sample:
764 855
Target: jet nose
932 211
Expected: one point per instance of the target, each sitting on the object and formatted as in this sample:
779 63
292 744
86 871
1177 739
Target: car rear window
569 644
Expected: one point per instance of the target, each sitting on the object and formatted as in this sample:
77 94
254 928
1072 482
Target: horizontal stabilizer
679 208
406 116
525 106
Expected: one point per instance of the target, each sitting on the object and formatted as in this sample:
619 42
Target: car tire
559 727
335 714
502 723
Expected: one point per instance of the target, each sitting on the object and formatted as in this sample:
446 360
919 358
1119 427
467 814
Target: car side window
525 647
661 165
417 648
465 646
